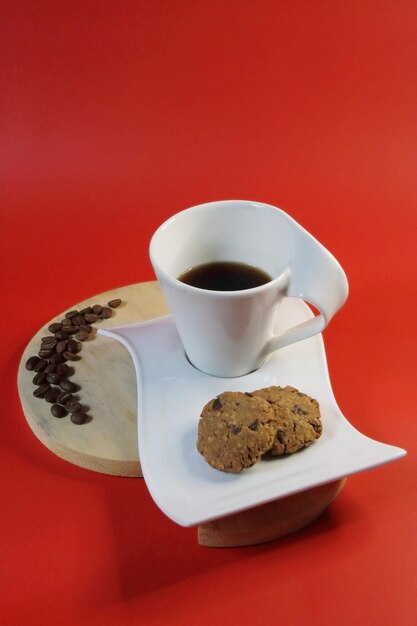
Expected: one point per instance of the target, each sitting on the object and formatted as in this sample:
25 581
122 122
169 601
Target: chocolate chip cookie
235 430
297 415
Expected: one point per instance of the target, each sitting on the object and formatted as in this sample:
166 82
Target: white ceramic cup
230 333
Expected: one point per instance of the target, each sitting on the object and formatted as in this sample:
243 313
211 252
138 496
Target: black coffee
225 276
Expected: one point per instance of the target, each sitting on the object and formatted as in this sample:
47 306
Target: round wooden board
108 443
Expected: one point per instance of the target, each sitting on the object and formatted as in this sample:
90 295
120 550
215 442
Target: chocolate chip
58 410
298 410
217 404
31 362
281 435
236 430
254 425
114 303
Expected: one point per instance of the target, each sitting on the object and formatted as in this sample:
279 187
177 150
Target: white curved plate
171 394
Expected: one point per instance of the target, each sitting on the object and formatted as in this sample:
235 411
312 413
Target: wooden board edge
270 521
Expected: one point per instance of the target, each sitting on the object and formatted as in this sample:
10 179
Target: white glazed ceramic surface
230 333
171 394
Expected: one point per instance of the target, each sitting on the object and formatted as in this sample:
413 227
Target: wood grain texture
269 521
108 443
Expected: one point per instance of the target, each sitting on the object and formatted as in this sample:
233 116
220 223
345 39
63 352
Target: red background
115 115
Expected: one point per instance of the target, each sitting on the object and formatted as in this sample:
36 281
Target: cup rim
274 282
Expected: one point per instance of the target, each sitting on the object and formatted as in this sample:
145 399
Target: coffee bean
86 327
48 342
45 353
64 370
49 346
54 378
52 395
74 346
41 391
61 346
64 396
39 378
55 327
106 313
31 362
73 407
57 358
79 417
71 356
67 385
71 330
47 338
40 365
58 410
91 318
64 344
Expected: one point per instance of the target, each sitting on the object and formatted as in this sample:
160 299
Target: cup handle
317 278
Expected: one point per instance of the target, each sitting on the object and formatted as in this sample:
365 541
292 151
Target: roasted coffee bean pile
63 345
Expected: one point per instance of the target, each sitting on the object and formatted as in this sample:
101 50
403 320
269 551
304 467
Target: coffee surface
225 276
